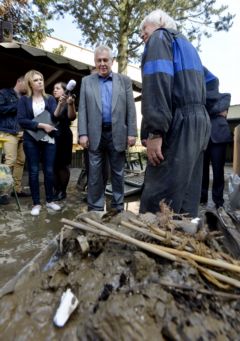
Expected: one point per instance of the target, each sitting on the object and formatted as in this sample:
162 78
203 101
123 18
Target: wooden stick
167 250
160 251
163 233
223 278
204 260
201 291
156 230
83 227
146 246
152 235
154 249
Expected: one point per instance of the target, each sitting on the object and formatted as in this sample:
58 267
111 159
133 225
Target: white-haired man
174 117
106 125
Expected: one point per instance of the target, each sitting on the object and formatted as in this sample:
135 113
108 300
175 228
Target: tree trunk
123 37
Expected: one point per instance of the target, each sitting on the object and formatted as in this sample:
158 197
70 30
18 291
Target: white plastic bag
68 304
234 191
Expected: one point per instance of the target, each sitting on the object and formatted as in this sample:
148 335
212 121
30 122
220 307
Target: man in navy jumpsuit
174 114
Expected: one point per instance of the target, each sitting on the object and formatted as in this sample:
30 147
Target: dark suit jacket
123 111
216 103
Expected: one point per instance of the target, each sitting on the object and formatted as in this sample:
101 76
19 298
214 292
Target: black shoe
21 194
113 212
59 196
62 196
4 200
84 199
219 206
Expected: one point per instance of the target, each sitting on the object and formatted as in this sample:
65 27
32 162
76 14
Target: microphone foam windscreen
71 85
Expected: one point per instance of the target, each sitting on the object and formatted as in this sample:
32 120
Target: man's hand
83 141
131 141
154 151
223 113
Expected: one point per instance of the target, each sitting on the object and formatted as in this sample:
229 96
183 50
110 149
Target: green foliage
29 23
116 22
59 50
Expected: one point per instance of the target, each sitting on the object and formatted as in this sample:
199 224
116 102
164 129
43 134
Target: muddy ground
23 236
124 293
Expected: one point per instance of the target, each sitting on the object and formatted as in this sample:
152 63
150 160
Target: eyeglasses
103 60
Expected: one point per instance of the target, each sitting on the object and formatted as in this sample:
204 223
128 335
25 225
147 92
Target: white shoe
53 206
36 210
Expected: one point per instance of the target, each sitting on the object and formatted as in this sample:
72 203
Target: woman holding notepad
37 115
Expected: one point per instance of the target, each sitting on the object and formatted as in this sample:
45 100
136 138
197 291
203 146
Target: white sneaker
36 210
53 206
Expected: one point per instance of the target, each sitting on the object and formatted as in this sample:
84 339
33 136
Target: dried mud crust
122 295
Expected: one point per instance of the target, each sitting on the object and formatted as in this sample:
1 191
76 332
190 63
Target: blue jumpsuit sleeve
158 75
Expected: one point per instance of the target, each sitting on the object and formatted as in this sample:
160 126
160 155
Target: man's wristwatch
152 136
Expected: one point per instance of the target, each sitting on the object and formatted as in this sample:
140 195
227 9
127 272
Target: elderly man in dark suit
106 126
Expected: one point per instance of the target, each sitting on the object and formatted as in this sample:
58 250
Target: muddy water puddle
23 236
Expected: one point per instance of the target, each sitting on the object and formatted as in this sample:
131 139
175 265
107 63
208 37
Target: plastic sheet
234 191
6 179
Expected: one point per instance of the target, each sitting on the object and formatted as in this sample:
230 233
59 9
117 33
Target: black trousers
216 155
96 178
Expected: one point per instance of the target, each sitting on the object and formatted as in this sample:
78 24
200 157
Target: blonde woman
29 107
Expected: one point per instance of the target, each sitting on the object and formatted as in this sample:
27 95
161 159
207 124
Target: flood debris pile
135 278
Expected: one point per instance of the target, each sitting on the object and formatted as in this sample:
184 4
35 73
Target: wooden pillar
236 151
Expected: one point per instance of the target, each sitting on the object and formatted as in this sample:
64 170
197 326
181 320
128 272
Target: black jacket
8 111
216 103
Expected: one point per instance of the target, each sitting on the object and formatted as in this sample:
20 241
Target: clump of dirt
123 293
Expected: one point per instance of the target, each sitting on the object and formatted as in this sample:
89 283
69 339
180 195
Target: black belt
106 127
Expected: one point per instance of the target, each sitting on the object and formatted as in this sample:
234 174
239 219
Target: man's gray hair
102 48
160 19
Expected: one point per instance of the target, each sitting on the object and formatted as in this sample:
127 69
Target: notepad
43 117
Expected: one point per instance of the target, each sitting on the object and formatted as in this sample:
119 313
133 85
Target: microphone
70 86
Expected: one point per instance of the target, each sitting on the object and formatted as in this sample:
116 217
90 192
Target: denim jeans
36 152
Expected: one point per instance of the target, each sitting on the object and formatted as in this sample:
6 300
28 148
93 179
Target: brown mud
23 236
124 293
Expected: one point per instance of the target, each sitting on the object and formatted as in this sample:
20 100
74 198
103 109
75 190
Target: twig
156 230
201 291
152 235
